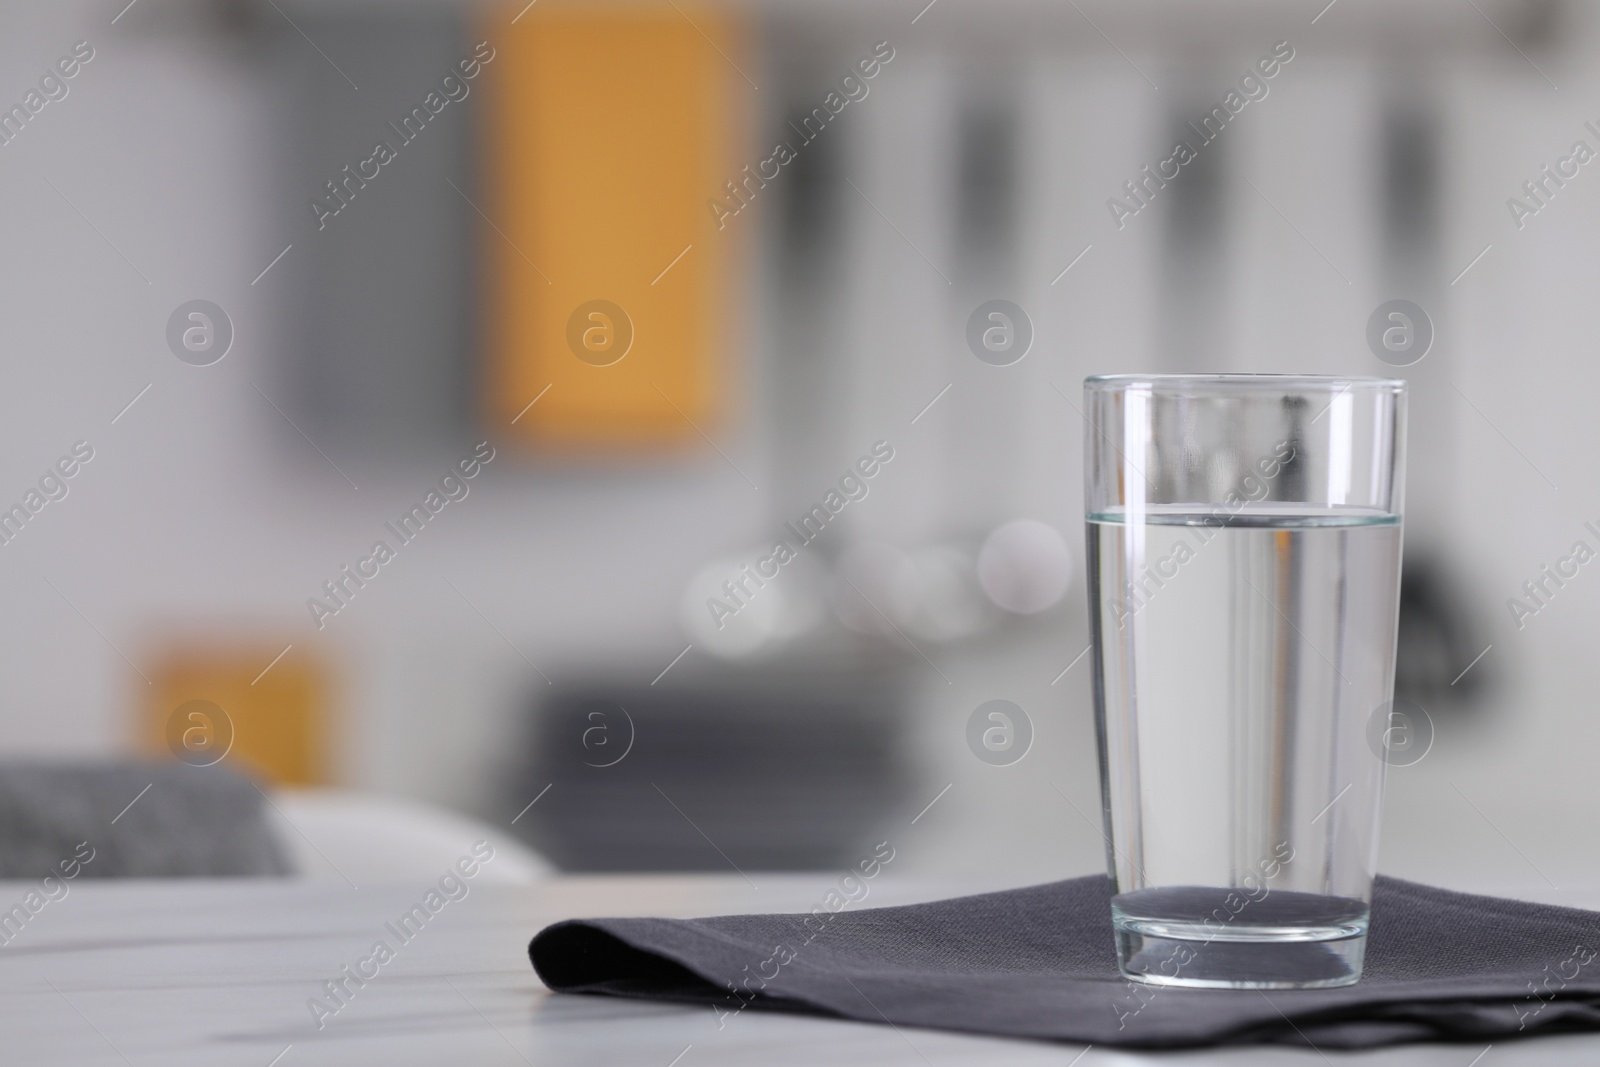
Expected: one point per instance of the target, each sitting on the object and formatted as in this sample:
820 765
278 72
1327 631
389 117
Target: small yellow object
223 704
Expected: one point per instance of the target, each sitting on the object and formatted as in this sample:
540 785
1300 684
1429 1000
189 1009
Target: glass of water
1244 559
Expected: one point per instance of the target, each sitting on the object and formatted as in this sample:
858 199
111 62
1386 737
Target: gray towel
101 821
1038 962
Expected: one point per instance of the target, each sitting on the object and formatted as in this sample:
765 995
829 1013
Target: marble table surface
220 973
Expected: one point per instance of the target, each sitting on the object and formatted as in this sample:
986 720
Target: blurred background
582 310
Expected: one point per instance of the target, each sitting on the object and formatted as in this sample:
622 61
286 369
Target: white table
218 973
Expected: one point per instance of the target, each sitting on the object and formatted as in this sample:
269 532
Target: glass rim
1245 381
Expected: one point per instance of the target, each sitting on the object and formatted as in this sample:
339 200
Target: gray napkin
1038 962
132 820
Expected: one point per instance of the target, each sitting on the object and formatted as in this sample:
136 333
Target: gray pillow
133 820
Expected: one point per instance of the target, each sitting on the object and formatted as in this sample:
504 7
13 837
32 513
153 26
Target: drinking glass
1244 559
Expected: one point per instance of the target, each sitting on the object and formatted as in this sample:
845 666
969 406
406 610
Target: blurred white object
936 595
930 592
865 577
731 609
1025 566
339 834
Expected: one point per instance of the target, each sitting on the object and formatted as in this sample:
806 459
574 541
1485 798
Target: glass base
1210 938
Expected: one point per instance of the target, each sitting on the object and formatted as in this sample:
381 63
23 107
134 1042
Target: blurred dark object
988 177
1437 641
382 362
1411 160
774 773
131 820
1199 225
